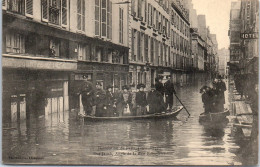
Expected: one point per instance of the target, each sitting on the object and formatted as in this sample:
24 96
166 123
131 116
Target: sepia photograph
130 82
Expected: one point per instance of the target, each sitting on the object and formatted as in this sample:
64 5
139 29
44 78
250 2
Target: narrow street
61 138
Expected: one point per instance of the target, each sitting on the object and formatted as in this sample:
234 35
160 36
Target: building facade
223 57
50 45
234 36
159 41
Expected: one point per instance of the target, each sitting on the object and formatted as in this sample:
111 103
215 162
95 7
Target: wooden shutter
97 17
133 44
4 4
29 8
79 15
83 5
45 11
145 11
64 13
104 18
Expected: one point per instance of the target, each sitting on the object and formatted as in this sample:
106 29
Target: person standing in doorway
169 91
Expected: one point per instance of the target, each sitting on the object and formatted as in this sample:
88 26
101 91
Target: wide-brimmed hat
203 88
140 86
125 87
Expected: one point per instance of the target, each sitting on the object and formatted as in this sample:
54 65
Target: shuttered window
64 11
104 18
16 6
151 49
54 11
133 45
81 15
15 43
138 45
97 17
45 10
29 8
121 25
146 48
109 21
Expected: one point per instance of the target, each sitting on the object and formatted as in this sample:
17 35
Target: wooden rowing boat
214 117
173 113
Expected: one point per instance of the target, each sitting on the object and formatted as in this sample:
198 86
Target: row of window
89 52
56 12
58 48
147 49
146 12
179 43
180 24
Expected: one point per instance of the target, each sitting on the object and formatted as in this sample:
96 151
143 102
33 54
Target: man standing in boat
221 88
117 100
155 101
159 85
169 91
100 100
88 97
110 102
141 101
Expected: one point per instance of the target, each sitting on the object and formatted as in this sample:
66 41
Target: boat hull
141 117
214 117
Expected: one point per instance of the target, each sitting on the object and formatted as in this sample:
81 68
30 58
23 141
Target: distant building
223 57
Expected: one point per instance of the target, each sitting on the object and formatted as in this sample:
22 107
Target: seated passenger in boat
111 109
141 100
155 101
126 102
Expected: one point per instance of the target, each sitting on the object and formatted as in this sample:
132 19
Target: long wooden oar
182 104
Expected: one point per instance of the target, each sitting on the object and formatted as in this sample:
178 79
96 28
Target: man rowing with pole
169 91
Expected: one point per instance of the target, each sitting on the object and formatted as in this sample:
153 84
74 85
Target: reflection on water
61 138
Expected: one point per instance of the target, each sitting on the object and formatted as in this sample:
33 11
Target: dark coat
155 102
88 94
159 87
100 98
221 88
126 98
110 99
141 99
169 88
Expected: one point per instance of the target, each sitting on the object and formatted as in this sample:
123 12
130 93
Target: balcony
39 63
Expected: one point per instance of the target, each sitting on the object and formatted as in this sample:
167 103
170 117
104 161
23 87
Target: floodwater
62 138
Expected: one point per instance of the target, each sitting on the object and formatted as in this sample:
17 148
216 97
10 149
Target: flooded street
62 138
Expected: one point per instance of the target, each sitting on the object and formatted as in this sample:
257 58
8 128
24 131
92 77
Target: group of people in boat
113 102
213 97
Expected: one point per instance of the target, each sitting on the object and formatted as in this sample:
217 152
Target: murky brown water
61 138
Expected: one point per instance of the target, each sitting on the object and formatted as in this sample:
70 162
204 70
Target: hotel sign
253 35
